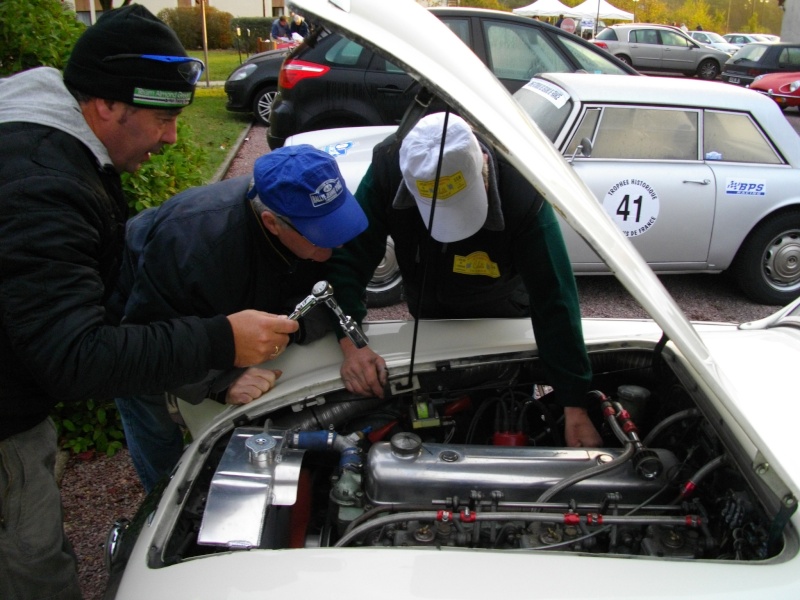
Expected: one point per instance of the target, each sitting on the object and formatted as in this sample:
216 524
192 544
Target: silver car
742 39
715 40
661 49
701 177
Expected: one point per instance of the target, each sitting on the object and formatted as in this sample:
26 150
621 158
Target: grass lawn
213 127
221 63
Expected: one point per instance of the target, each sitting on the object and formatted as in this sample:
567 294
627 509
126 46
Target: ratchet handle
323 292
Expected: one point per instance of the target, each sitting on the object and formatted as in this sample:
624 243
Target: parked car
784 88
661 49
337 82
412 496
741 39
252 87
715 170
715 40
759 58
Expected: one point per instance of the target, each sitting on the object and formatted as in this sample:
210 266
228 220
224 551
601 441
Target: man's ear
105 109
270 221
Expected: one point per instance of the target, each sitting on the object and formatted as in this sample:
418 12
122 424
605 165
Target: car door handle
703 182
390 90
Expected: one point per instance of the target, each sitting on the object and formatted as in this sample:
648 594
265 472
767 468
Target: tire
767 266
625 59
708 69
262 103
386 286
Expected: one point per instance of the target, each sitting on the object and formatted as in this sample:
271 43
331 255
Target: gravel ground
95 492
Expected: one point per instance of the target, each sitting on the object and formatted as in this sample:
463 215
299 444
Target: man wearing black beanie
63 143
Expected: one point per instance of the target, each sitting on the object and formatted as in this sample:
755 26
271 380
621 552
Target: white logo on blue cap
327 192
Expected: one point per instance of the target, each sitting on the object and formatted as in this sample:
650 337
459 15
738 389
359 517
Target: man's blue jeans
155 441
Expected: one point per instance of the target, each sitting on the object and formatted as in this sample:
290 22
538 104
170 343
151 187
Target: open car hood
463 81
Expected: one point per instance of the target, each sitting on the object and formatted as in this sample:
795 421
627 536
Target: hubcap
265 105
782 260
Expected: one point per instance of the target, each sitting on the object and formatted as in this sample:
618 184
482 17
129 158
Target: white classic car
701 177
457 484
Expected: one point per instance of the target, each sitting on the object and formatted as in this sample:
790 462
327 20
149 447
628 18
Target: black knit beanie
106 61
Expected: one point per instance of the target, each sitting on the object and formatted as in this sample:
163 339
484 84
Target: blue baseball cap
305 185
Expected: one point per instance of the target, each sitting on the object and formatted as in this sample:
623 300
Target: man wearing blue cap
231 245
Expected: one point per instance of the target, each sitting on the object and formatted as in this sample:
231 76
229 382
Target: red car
784 88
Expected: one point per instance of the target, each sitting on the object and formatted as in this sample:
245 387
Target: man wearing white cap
497 251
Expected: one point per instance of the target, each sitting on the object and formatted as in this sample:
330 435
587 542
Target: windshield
751 52
547 104
715 38
591 62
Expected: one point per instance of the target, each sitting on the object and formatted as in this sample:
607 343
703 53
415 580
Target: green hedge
35 33
188 24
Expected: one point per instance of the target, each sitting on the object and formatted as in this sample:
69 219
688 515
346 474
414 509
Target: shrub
170 171
88 426
35 33
187 22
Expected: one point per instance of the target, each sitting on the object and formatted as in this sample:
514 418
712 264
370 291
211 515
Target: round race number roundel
634 206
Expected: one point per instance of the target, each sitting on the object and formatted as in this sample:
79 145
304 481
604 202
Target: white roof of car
692 93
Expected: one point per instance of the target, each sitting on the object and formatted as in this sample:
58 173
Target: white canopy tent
600 9
546 8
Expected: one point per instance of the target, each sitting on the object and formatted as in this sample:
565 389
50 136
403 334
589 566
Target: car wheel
626 59
708 69
386 286
262 103
767 267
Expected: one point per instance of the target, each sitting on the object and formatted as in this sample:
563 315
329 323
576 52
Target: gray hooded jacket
62 217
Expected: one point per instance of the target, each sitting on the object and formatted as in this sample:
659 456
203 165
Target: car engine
472 455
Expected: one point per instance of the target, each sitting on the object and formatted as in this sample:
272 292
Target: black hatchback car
333 82
759 58
253 86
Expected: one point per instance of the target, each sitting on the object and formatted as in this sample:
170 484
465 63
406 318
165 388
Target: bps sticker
634 206
745 187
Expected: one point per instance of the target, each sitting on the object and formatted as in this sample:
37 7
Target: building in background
790 28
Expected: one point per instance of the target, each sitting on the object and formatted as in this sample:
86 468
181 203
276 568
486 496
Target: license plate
734 80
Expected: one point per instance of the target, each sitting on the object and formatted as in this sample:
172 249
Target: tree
35 33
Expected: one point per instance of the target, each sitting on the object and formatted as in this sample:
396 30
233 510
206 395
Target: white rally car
457 485
702 177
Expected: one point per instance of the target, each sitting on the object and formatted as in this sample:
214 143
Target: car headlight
794 86
242 72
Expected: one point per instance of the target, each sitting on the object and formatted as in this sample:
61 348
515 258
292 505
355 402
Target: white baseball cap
461 200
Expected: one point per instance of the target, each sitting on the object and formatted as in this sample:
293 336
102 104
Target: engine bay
472 455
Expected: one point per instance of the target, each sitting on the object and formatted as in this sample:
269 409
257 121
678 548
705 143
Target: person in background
560 20
298 27
497 251
234 245
280 30
65 141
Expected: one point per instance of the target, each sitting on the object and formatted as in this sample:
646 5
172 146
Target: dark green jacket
516 265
